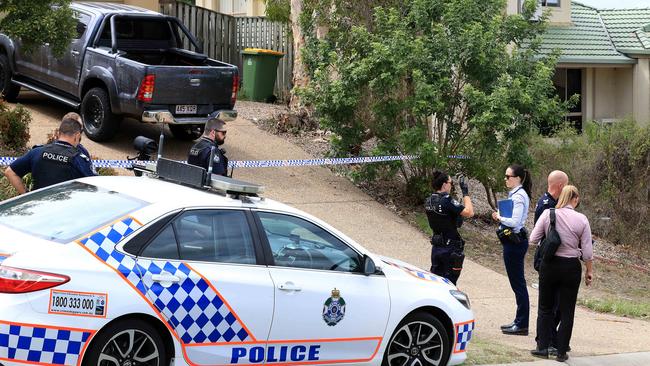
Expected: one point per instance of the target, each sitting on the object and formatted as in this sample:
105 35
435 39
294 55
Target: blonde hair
569 192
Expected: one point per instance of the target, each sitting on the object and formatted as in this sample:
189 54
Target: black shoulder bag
551 242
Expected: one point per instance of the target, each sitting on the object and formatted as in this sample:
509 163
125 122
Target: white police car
128 271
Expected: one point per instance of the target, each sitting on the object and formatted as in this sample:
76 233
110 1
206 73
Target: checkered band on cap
463 336
191 307
41 344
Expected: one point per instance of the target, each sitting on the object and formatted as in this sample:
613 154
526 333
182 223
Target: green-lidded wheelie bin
260 70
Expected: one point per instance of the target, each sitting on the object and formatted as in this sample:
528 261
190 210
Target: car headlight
461 297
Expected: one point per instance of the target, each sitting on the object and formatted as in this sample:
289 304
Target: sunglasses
509 176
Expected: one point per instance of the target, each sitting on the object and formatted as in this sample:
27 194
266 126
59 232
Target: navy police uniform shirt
545 202
200 156
443 213
54 163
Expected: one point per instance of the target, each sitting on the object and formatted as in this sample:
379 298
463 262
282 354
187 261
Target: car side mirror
368 266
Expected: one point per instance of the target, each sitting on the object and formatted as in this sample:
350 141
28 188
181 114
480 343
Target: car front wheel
419 340
8 90
131 342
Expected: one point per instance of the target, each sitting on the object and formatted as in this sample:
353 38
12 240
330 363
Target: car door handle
165 278
289 286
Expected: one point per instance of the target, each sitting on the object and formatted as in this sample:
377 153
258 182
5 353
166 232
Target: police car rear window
66 212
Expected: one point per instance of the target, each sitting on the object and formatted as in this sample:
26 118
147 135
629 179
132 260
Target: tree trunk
300 78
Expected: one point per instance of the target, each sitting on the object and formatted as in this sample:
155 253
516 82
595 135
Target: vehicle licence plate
186 109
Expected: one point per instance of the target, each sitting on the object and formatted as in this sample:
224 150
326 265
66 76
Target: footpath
336 200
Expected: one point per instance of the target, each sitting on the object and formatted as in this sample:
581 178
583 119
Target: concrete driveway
318 191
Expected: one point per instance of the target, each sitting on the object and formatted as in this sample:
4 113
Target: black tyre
419 340
186 132
132 342
8 89
100 123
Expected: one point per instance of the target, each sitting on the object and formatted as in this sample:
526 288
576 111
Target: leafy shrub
610 165
14 127
434 78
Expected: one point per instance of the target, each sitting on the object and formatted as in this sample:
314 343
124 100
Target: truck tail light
145 93
18 281
235 88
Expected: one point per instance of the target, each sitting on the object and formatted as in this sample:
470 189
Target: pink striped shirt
574 231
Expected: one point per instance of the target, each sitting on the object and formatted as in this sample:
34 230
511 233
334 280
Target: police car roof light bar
235 186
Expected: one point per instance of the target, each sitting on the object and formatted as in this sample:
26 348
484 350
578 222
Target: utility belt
439 241
507 235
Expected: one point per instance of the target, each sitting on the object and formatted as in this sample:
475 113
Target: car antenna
212 152
161 140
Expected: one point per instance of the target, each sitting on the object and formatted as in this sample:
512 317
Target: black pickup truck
125 62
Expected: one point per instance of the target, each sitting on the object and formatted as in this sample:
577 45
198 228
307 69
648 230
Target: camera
145 148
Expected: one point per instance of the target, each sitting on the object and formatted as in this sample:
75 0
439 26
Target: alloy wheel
131 347
416 344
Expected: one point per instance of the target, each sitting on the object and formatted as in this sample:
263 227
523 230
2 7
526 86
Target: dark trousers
559 277
513 257
442 262
556 322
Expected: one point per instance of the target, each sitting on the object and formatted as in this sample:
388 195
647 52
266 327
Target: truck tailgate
192 85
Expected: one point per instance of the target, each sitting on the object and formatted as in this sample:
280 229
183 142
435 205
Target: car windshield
65 212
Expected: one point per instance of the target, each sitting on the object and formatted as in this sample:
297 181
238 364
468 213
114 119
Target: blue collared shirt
521 202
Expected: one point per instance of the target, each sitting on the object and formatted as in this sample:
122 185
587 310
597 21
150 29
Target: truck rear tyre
8 89
187 132
100 123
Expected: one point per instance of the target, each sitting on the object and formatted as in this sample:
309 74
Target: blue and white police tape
126 164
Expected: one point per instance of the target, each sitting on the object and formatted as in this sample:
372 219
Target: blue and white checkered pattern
41 344
191 306
193 309
463 336
423 275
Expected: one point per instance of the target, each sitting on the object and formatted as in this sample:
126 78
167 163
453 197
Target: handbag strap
552 213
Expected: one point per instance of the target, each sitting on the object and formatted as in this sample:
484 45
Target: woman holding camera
561 275
514 238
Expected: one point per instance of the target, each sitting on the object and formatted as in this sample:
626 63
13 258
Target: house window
555 3
568 82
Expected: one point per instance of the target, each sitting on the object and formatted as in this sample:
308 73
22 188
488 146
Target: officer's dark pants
559 277
441 263
557 316
513 257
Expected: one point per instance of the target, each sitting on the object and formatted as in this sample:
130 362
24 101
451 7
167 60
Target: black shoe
561 357
541 353
507 326
515 330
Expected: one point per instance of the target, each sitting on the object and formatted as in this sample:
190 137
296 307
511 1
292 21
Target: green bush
433 78
14 128
610 165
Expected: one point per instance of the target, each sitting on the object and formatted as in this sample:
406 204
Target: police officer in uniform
214 135
445 216
52 163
